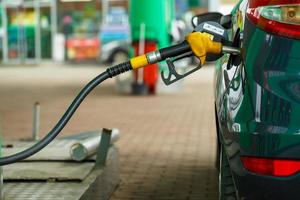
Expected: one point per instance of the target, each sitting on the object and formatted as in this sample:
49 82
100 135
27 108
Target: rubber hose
109 73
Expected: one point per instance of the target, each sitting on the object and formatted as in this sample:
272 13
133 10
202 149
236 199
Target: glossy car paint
258 107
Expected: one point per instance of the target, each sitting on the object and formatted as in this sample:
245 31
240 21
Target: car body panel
257 106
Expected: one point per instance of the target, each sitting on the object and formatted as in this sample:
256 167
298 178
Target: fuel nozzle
200 44
208 39
208 42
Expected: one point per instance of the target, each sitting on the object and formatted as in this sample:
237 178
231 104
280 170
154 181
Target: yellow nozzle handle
202 43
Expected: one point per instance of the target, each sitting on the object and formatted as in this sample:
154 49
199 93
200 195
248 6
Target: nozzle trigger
173 76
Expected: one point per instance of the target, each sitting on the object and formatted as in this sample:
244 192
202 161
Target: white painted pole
140 78
36 121
105 8
213 5
53 10
4 33
37 31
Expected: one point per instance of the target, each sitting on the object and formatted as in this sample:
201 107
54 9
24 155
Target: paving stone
167 143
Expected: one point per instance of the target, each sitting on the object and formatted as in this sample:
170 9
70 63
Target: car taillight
271 167
280 17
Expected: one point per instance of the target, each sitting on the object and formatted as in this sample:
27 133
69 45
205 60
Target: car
115 36
257 101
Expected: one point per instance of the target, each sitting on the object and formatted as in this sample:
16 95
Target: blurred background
33 31
49 49
97 32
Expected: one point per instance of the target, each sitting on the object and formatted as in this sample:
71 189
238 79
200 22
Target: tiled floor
167 141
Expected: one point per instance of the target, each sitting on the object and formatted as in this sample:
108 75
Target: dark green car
257 99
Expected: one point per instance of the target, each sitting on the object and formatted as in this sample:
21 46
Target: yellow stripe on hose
139 61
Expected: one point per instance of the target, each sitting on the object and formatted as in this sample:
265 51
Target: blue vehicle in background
115 36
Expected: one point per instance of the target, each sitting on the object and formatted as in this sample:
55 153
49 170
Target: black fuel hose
175 50
109 73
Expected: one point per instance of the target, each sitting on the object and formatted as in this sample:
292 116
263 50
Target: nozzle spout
231 50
